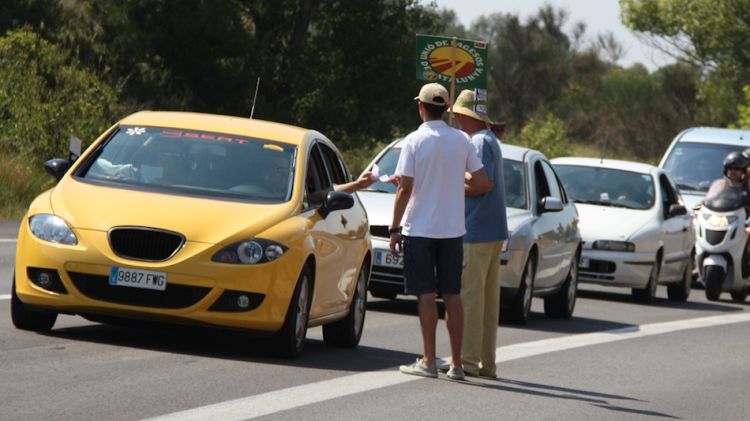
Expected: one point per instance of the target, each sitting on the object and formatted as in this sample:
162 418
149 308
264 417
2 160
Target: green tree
530 64
320 63
711 33
743 110
43 16
45 97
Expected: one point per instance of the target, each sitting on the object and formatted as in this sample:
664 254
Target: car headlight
52 228
250 252
613 245
719 221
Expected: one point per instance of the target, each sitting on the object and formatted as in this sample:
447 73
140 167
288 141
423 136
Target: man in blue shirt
486 232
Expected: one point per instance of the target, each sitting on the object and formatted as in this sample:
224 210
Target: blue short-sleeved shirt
485 215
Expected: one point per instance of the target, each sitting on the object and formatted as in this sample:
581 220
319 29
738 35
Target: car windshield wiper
686 186
376 190
597 202
620 205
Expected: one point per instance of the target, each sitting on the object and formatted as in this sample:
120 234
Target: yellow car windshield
195 163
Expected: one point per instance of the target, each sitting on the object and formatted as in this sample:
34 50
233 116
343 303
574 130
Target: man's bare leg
454 320
428 321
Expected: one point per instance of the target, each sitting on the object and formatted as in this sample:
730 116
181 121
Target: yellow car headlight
250 252
52 228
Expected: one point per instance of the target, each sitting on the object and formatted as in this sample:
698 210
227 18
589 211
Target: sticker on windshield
135 131
273 147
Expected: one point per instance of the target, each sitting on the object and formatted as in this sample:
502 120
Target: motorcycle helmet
735 159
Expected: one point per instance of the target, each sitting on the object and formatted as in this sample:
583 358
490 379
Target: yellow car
199 219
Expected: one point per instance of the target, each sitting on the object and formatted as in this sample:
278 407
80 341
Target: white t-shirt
436 156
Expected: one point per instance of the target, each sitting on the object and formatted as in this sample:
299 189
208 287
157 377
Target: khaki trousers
480 294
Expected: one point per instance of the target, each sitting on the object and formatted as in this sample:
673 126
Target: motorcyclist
735 166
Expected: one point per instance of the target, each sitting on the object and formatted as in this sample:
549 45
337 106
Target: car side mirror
57 167
550 204
336 200
677 210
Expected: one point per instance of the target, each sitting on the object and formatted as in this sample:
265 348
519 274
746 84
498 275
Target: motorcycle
720 245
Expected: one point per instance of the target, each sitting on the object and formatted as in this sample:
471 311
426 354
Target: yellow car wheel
26 318
290 340
346 332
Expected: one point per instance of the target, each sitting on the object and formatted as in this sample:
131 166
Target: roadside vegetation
73 67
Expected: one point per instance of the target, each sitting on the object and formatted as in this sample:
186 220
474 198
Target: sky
598 15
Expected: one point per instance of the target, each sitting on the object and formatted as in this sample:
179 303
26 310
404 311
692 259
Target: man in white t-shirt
428 222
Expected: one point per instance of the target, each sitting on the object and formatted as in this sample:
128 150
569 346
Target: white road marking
4 296
297 396
7 240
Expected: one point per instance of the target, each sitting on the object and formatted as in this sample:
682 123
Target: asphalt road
613 360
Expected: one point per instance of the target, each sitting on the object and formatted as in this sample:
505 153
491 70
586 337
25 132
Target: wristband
396 230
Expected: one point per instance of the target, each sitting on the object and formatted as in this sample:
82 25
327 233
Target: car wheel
26 318
521 307
562 303
290 340
680 291
713 278
346 332
739 297
646 295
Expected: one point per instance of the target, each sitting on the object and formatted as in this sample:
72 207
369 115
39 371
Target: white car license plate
138 278
385 258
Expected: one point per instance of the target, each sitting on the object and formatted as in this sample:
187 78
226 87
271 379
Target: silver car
541 258
636 230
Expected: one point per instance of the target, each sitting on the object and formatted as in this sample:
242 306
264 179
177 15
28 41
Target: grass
20 183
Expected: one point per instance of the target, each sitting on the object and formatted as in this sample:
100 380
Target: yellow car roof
218 124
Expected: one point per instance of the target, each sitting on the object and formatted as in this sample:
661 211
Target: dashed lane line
307 394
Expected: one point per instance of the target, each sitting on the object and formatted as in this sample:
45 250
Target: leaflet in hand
376 174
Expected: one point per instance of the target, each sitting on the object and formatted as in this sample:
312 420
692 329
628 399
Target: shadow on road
537 321
229 345
542 323
722 306
598 399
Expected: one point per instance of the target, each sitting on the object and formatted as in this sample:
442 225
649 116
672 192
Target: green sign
434 55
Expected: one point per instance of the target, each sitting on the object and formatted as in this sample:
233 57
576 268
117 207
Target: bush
45 97
21 184
547 135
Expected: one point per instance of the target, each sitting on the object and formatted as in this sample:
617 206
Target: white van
695 158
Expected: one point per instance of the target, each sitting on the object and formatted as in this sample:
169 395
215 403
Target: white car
542 253
636 230
695 156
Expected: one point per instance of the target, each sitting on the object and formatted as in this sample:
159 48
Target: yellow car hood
94 207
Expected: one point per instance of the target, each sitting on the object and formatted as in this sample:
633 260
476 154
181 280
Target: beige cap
471 105
433 93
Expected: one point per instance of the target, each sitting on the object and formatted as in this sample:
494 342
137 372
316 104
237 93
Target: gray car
541 258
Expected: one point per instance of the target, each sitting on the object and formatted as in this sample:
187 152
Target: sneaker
443 365
419 369
456 373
